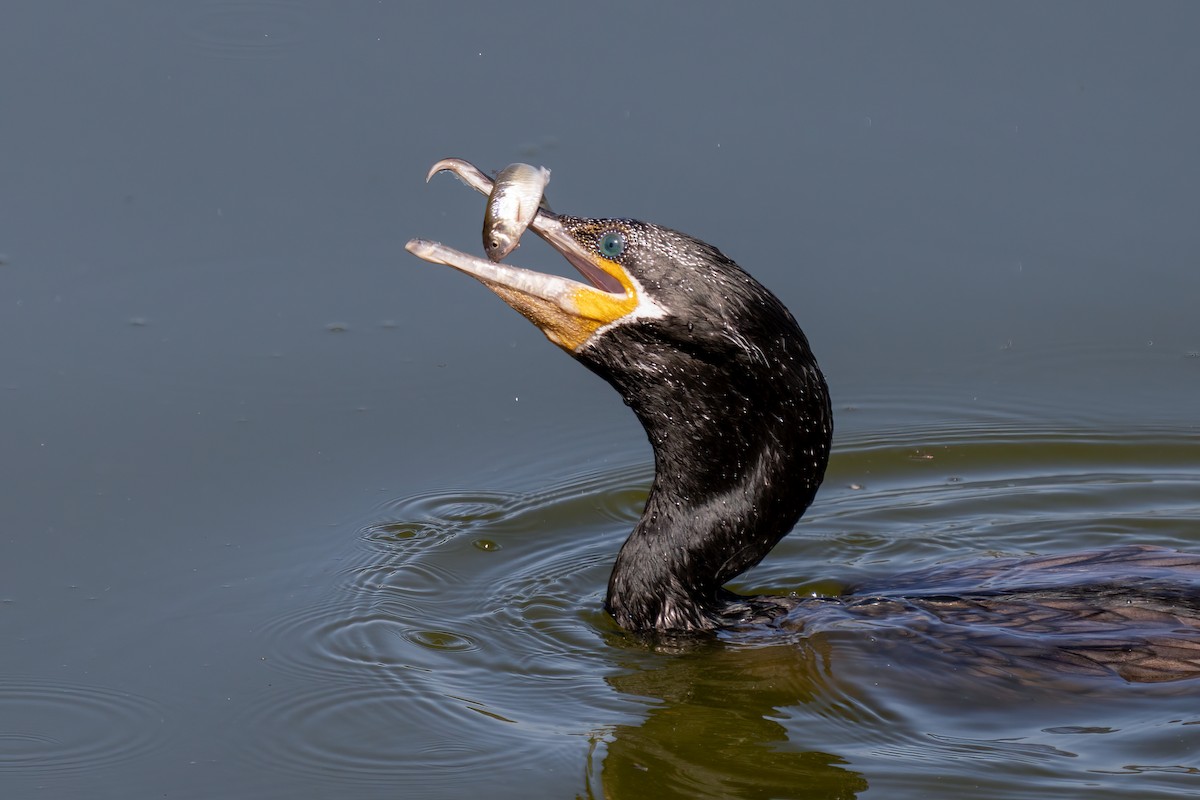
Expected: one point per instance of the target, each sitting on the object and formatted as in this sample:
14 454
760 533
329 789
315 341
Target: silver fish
466 172
511 206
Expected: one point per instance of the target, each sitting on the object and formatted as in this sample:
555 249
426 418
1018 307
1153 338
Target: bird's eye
612 245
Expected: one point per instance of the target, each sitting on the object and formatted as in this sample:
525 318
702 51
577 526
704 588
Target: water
465 630
289 513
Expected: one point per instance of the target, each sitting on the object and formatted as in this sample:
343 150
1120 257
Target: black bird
738 414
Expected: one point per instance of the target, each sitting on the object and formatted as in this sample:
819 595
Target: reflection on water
465 639
714 730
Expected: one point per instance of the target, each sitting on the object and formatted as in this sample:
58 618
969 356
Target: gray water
289 513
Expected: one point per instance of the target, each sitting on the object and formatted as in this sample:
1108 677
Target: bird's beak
567 311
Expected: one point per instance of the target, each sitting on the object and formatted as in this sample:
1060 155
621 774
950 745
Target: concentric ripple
359 734
400 590
935 496
407 586
424 629
464 635
55 727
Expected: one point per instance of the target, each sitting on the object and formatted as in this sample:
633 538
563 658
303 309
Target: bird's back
1132 611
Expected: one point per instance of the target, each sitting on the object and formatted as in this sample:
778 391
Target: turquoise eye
612 245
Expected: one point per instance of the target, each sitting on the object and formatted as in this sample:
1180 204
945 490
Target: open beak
569 312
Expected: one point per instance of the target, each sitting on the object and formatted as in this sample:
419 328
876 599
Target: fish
466 172
511 207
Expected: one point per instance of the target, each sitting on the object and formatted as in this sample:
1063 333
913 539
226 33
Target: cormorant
738 414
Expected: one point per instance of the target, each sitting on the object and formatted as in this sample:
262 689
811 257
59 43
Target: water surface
289 513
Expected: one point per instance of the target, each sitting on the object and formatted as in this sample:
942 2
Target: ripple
444 641
1018 444
450 573
952 748
438 515
623 493
1079 729
347 734
390 534
426 629
461 613
406 579
994 491
247 28
53 727
330 640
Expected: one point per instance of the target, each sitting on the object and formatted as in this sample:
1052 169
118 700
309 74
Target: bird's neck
739 452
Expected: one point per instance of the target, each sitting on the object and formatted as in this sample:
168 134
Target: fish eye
612 244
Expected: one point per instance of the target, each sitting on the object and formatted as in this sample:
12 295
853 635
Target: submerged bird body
738 414
1132 611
